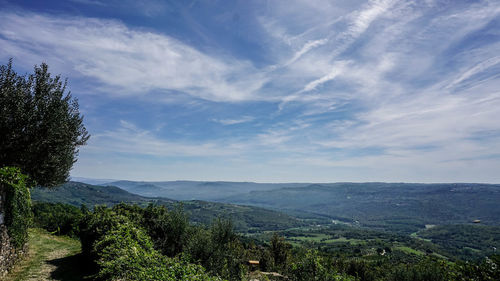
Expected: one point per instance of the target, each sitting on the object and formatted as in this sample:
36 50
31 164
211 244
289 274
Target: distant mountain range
400 207
244 218
196 190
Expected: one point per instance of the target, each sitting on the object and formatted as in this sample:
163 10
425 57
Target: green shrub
310 266
122 250
126 253
58 218
95 225
18 215
218 249
168 229
426 270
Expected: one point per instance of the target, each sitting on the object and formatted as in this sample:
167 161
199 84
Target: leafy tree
40 125
168 229
280 251
58 218
310 265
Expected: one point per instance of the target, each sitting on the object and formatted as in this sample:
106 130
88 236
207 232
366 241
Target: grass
49 258
409 250
325 239
316 237
345 240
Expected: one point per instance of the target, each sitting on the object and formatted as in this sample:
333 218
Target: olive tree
41 126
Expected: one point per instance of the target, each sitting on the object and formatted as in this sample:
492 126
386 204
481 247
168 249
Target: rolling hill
245 218
392 206
196 190
399 207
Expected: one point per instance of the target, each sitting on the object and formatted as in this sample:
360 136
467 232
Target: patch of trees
120 249
465 242
57 218
162 237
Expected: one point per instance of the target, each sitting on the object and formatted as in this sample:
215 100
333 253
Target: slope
245 218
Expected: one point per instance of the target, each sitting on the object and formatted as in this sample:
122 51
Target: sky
273 91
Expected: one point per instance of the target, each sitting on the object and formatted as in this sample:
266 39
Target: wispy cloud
129 139
243 119
478 68
379 88
126 61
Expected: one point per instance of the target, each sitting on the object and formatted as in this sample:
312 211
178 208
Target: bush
218 249
95 225
312 266
426 270
126 253
168 229
18 215
122 250
58 218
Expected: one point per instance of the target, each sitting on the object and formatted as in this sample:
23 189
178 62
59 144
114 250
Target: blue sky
273 91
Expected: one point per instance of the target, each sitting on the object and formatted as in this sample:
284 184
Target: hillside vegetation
404 208
245 218
221 238
128 242
400 207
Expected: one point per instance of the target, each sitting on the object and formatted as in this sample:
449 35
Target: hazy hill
401 207
245 218
196 190
76 194
394 206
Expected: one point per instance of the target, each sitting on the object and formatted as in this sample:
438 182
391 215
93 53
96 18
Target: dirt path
49 258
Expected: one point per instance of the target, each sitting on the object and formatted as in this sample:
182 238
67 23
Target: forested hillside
339 235
128 242
400 207
245 218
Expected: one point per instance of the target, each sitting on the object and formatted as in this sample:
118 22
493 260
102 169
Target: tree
280 251
40 125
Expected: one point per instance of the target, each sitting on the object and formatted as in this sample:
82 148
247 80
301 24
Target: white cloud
385 87
308 46
129 139
126 61
338 69
243 119
478 68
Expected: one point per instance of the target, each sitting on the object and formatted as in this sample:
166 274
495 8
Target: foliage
397 207
122 250
218 249
76 194
18 215
465 242
279 250
126 253
244 218
95 225
487 270
426 270
40 125
58 218
167 229
119 241
312 266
